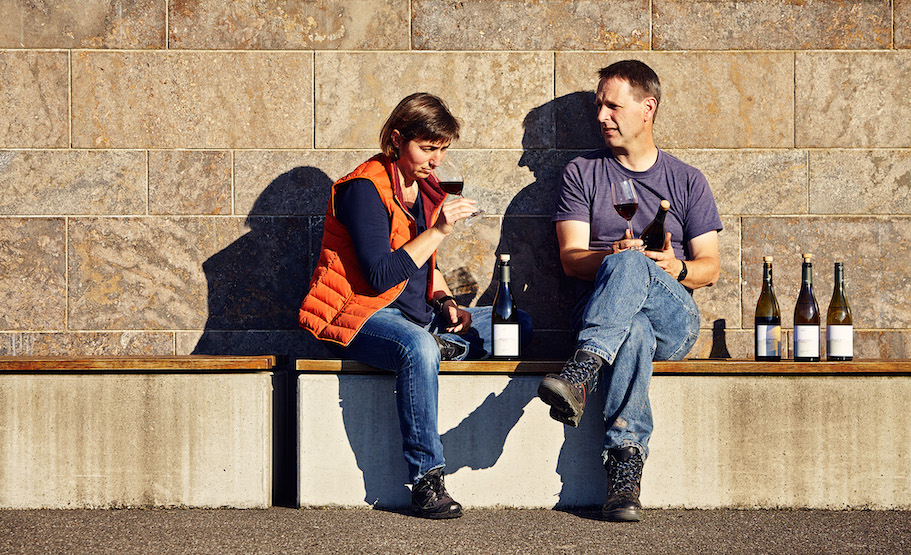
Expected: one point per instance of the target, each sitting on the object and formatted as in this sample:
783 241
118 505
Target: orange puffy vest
340 300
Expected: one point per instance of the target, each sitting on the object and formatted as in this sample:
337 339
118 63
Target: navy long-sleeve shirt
360 209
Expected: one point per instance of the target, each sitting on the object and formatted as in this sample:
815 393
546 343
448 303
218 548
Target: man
635 306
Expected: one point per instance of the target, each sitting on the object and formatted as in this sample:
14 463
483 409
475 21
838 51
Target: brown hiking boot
567 391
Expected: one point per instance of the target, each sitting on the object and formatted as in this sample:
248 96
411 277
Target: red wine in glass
450 178
452 187
626 202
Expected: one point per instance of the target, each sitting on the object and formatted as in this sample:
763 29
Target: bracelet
438 304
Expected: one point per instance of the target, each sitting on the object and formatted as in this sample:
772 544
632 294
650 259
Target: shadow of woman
255 286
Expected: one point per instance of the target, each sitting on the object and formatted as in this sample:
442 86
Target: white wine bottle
806 317
505 317
839 324
767 322
653 234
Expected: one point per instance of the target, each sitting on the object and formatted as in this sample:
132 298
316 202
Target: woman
377 293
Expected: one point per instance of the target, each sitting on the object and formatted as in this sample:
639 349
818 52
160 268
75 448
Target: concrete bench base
135 432
745 441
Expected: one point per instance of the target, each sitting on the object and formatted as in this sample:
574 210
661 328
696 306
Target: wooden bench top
197 363
679 367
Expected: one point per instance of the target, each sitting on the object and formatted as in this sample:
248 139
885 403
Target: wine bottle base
768 359
839 359
806 359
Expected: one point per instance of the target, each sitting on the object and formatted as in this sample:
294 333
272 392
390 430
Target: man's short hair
642 79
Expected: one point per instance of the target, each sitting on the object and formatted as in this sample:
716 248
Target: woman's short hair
419 116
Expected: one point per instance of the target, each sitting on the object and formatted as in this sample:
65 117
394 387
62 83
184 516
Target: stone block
189 182
753 181
860 182
52 182
128 343
136 439
208 100
34 95
514 183
723 341
722 300
290 182
142 273
311 25
84 24
287 345
873 249
503 450
709 100
33 273
771 25
488 92
902 15
849 100
187 273
539 25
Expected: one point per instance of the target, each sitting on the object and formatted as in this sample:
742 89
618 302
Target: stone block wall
164 164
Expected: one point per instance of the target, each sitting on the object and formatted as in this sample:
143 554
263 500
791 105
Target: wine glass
450 177
625 200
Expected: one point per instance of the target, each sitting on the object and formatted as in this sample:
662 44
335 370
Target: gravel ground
283 530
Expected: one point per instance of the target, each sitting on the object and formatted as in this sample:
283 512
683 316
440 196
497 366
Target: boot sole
622 515
416 511
564 407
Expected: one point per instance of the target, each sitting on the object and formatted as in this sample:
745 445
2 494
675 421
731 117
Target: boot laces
626 475
581 372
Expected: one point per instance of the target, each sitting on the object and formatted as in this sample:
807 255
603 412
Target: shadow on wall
255 286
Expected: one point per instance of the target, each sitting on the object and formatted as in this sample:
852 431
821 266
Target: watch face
682 275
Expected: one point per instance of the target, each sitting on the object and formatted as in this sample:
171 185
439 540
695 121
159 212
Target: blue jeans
391 342
636 313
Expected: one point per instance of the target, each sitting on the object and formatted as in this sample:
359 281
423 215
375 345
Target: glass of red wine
450 177
625 200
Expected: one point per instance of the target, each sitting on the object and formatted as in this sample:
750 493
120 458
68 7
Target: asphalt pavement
286 530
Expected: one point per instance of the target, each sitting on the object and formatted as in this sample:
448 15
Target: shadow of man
555 133
255 286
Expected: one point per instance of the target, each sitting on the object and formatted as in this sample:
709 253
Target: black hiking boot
449 350
566 392
624 473
429 498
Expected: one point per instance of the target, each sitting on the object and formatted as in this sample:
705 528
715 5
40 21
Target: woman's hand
459 319
453 210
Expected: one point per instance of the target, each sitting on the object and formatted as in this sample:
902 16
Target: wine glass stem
629 224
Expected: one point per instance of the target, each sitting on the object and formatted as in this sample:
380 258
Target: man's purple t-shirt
586 196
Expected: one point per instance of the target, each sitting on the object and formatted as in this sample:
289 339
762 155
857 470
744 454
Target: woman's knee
422 353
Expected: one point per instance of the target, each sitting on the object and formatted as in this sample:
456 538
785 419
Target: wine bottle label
806 340
506 340
840 341
768 340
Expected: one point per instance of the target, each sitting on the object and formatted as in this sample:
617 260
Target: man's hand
627 243
665 258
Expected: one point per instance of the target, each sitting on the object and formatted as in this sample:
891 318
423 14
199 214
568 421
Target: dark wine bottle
806 317
839 324
505 317
653 234
767 322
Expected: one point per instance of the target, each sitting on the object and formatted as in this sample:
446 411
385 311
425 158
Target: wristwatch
438 304
682 275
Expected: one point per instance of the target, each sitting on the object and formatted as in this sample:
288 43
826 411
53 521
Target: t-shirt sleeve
360 209
573 201
702 213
